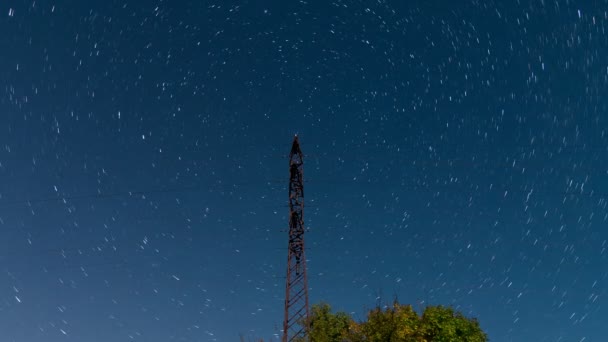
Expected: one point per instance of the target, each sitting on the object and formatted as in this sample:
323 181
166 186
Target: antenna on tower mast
296 284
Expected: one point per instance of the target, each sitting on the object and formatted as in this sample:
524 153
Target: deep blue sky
456 154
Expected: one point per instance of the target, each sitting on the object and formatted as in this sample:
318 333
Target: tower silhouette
296 284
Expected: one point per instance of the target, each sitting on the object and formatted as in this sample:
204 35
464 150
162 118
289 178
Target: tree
396 323
442 324
323 325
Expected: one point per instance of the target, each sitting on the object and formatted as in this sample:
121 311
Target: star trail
454 153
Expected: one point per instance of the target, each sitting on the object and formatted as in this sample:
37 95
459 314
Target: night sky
455 154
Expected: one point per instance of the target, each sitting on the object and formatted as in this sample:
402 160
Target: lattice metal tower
296 284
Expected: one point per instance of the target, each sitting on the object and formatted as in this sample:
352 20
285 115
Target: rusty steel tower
296 284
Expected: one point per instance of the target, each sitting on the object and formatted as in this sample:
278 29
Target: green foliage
325 326
442 324
397 323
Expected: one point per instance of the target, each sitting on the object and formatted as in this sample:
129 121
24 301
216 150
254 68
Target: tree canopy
396 323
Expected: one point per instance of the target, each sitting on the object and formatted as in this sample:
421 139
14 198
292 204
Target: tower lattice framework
296 284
